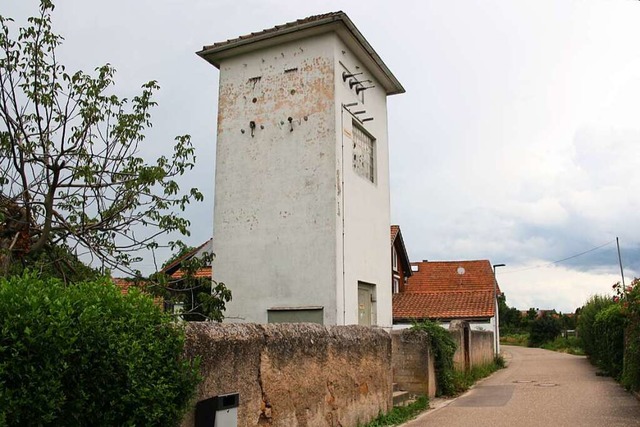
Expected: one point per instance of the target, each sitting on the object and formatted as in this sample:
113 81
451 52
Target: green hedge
609 326
543 330
586 322
87 355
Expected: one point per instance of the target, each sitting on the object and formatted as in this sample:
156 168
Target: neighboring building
400 265
448 290
173 270
301 216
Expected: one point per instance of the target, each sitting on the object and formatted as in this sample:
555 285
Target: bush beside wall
87 355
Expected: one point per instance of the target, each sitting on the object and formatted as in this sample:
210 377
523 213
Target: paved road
539 388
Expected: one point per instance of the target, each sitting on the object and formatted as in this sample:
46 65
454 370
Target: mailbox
218 411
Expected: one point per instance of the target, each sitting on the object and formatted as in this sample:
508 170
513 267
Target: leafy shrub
631 309
444 348
631 372
586 320
544 329
569 345
520 339
87 355
400 414
609 326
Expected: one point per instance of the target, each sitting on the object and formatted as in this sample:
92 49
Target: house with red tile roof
448 290
400 265
174 269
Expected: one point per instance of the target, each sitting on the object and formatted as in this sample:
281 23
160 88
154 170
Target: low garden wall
476 351
294 374
481 348
412 362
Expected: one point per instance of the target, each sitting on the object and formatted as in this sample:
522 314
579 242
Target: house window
396 285
363 153
394 258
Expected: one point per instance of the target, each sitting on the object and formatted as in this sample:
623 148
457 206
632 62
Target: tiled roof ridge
275 28
452 291
449 262
185 256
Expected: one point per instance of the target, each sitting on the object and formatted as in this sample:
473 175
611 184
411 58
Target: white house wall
275 195
365 212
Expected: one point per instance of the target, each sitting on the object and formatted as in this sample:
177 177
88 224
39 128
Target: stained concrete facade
301 226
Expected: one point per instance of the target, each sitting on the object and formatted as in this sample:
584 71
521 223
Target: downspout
344 298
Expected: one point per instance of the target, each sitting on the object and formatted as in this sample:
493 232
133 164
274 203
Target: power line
560 260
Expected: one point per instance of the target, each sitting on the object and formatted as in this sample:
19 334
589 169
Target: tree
200 298
544 329
510 317
71 179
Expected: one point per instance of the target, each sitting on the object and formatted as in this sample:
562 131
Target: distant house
178 299
448 290
174 269
400 265
124 284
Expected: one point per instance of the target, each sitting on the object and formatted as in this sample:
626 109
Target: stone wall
481 352
476 350
294 374
412 362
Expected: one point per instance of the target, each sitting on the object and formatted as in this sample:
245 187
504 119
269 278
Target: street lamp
495 298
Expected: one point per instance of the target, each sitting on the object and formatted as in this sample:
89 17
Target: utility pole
496 319
620 262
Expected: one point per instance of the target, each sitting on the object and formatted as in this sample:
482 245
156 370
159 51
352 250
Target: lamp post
496 319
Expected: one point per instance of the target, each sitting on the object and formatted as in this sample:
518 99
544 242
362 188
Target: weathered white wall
275 194
366 210
294 225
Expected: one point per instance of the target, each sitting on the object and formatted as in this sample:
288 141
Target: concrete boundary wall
413 362
294 374
475 348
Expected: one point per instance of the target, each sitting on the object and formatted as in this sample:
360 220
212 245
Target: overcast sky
517 141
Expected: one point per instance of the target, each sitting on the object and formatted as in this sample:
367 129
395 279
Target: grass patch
463 380
515 339
399 414
570 345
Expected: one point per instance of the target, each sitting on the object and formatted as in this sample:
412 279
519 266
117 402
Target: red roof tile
446 305
203 272
447 290
444 276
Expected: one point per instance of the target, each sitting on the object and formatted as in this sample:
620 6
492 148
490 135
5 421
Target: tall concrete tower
301 216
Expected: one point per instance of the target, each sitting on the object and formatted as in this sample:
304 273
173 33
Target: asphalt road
538 388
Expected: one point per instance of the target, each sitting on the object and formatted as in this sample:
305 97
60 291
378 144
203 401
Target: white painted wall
294 225
366 208
275 194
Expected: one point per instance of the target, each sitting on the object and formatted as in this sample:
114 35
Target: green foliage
630 303
400 414
70 174
87 355
544 329
609 327
511 320
570 345
201 298
462 380
444 348
586 322
631 369
521 339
